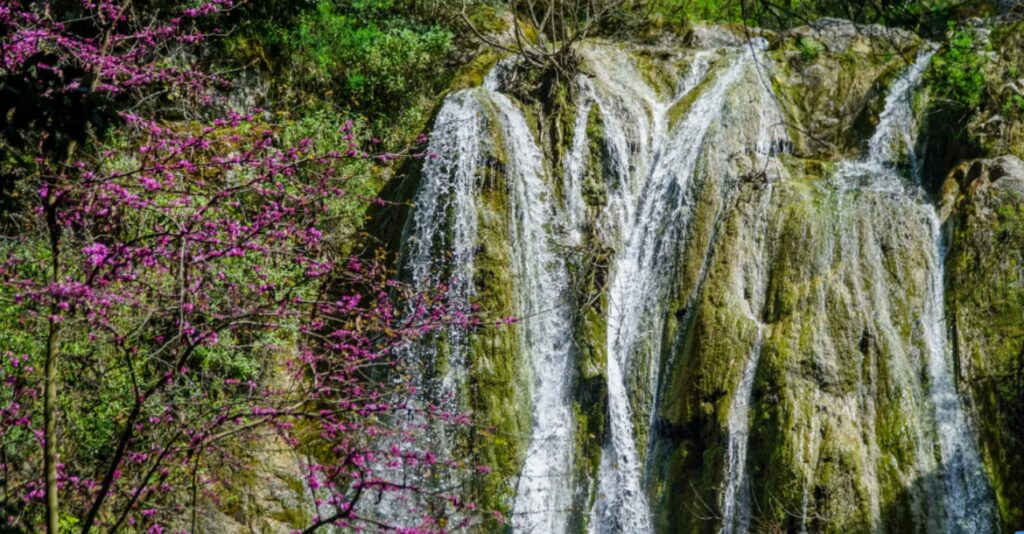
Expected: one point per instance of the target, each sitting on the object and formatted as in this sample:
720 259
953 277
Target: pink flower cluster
124 55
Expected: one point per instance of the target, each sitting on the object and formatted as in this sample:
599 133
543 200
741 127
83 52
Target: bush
957 72
809 48
366 56
376 64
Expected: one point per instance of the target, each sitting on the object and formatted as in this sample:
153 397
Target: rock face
269 494
737 308
829 81
985 203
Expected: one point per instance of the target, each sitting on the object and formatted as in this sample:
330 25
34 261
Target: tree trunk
50 387
50 427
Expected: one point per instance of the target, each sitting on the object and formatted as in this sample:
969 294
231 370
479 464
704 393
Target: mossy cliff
498 394
838 420
984 200
829 80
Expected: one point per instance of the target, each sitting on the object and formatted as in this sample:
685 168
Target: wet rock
705 36
840 35
984 201
830 78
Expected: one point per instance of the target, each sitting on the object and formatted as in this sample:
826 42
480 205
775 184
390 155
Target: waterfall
636 125
896 132
543 494
444 226
968 502
575 165
438 251
701 155
736 497
630 111
651 234
894 139
442 240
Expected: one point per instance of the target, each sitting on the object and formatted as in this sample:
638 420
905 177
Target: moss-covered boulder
985 268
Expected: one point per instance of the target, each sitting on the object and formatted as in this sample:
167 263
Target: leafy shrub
957 72
361 53
682 12
1014 105
809 48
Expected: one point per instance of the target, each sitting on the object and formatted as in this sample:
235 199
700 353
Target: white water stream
544 491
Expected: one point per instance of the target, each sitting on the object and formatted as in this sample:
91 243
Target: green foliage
680 14
923 16
1010 218
712 10
368 56
68 522
382 63
1014 105
809 48
375 63
323 127
957 72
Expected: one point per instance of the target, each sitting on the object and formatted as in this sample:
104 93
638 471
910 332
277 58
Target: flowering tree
144 266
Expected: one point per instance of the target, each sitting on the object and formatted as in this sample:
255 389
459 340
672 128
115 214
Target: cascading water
444 226
651 234
575 165
662 153
894 137
439 245
628 108
969 504
967 497
443 241
736 497
543 495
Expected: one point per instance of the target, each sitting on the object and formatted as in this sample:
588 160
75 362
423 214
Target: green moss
657 69
588 271
705 359
830 99
809 48
472 74
985 305
486 18
499 391
595 190
683 105
560 127
1008 43
293 517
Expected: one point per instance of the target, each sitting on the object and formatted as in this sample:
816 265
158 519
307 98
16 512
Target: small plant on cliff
957 71
809 48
